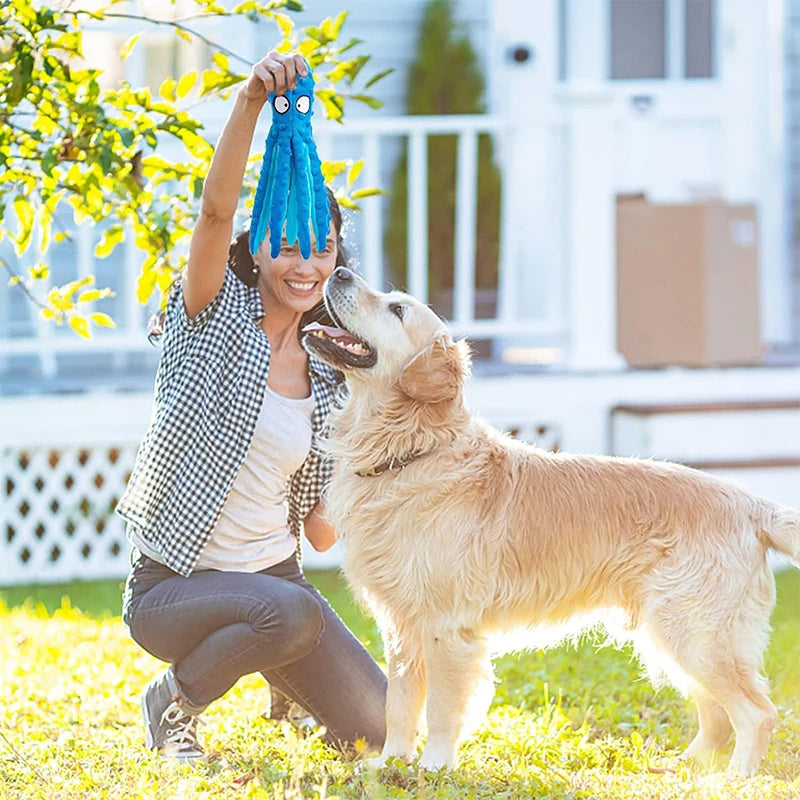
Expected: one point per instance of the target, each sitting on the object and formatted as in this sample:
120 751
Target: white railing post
507 257
417 216
466 229
372 263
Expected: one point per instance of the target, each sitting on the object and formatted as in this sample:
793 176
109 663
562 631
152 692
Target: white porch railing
376 140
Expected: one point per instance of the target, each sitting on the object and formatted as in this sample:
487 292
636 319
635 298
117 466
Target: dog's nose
342 274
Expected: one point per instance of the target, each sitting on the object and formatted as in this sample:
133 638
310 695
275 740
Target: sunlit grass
566 723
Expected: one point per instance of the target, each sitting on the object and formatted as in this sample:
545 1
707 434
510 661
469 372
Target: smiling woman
229 474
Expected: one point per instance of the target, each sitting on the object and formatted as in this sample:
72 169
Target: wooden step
708 432
755 444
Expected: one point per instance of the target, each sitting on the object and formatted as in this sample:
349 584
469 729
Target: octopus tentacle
303 196
279 199
262 199
321 214
291 211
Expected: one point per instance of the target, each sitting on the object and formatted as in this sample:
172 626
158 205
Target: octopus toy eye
281 104
303 103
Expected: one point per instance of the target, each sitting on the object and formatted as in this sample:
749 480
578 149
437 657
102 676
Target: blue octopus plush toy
291 188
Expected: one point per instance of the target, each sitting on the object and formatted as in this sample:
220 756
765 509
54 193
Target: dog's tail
781 530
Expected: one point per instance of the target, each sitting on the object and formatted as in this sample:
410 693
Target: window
638 39
661 39
699 33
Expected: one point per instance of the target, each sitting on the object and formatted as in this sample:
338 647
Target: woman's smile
304 288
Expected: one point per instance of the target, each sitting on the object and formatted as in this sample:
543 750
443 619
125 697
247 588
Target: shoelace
182 733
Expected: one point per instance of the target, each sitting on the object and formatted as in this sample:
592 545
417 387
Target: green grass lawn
566 723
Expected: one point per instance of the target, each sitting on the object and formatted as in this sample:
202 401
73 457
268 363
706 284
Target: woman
227 475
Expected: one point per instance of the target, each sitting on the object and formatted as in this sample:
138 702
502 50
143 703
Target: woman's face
291 281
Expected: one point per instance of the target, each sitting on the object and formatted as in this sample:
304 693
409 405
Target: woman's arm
208 251
321 535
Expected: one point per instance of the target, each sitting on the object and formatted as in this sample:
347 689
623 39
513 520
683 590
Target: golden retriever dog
456 534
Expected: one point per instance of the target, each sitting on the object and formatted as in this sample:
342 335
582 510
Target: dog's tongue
331 332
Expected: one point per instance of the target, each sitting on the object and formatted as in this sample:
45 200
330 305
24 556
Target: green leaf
372 102
50 159
111 237
147 280
332 103
106 158
348 69
186 83
126 48
103 320
92 295
368 192
353 42
285 24
221 60
69 289
211 79
127 136
167 89
346 202
80 325
355 171
39 272
332 169
24 212
331 27
375 78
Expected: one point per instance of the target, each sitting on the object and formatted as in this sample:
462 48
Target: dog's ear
437 373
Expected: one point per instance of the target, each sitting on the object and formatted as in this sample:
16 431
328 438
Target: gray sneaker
170 723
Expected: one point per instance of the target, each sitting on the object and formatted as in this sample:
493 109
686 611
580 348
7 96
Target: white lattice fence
58 512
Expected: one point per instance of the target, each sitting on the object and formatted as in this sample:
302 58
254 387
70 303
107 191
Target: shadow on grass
96 599
103 599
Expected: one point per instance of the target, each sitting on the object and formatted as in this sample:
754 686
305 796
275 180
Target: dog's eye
398 310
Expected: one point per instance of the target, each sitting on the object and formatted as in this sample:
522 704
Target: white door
694 89
678 99
662 64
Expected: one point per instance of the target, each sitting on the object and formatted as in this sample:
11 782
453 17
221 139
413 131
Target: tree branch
36 301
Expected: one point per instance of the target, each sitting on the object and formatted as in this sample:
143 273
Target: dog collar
394 465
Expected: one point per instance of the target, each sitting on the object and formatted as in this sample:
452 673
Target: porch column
521 84
590 205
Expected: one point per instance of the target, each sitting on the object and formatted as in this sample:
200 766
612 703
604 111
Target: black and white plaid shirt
209 391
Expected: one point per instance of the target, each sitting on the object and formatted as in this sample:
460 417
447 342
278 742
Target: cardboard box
687 283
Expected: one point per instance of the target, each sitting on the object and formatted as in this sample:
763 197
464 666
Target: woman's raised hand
276 72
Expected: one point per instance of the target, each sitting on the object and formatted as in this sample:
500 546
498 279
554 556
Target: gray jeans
214 627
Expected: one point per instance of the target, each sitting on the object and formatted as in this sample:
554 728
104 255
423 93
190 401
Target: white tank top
251 533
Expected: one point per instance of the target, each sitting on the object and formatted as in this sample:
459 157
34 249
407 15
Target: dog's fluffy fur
482 535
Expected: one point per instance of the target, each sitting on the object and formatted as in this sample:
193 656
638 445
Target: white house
680 100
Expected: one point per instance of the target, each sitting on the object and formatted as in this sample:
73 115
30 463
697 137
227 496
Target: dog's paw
434 762
385 760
